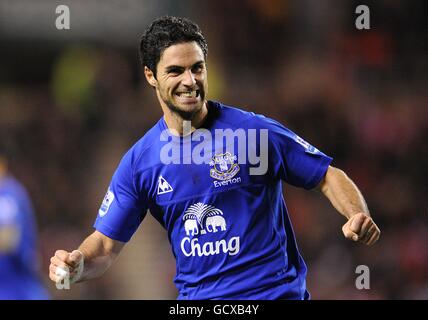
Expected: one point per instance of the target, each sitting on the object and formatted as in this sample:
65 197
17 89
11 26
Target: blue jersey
229 228
19 267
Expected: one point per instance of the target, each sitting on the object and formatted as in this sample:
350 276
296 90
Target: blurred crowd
359 96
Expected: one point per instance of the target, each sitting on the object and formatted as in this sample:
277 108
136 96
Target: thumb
75 257
78 260
347 231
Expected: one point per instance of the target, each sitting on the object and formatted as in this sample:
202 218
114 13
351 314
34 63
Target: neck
180 126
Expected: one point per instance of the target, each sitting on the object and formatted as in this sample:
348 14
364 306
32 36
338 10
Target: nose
189 78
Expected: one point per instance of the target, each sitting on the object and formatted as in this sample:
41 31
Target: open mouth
188 94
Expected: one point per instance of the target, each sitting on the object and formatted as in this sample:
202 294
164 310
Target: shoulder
238 117
231 115
143 153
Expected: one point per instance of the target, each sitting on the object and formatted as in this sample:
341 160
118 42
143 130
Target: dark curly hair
165 32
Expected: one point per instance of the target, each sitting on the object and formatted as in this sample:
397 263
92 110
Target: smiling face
181 80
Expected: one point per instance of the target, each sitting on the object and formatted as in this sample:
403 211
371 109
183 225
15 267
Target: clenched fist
362 228
66 264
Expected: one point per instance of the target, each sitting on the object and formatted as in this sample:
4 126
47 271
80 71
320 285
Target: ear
150 77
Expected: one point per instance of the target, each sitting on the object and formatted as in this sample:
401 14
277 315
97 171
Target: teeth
190 94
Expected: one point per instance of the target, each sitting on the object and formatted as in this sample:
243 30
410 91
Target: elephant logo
202 218
214 222
191 227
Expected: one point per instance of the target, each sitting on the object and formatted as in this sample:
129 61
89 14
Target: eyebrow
175 67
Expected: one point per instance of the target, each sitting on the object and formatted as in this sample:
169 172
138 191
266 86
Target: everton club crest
225 166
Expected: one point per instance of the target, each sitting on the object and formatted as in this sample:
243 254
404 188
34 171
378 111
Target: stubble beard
184 114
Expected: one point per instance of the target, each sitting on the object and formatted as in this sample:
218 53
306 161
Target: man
18 255
224 212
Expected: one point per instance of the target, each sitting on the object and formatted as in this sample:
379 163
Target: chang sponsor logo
200 219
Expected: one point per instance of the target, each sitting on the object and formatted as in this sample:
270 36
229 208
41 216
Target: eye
197 68
174 71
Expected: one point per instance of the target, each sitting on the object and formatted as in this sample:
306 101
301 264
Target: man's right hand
66 264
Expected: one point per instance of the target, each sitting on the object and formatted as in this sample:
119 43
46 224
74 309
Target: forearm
98 254
343 194
348 200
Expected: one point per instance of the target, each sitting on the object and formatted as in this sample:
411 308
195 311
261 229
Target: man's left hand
361 227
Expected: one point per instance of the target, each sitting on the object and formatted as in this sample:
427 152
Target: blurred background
73 101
